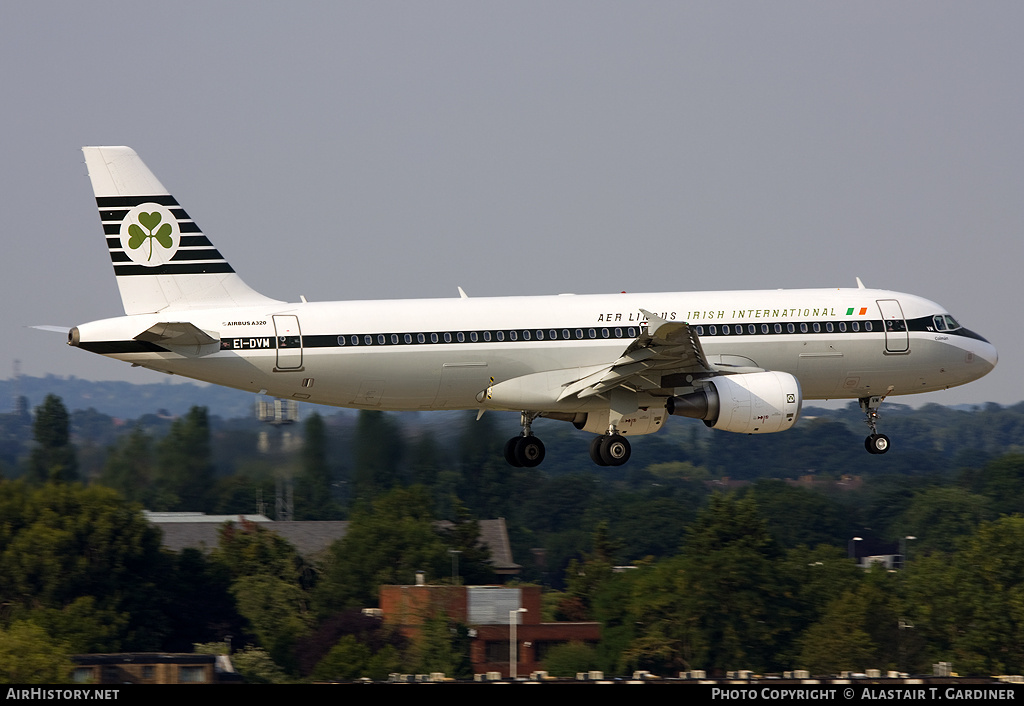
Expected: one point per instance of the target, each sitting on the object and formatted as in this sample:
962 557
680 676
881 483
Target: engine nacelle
748 403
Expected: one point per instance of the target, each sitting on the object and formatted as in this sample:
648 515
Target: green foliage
53 458
377 454
269 582
386 543
185 465
61 542
313 496
570 658
29 656
441 645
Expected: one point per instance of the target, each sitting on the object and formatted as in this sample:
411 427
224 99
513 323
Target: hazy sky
363 150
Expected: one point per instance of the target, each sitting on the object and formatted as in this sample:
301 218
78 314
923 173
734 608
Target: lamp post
455 565
903 548
851 548
513 620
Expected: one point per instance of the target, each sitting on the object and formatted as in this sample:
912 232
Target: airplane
614 365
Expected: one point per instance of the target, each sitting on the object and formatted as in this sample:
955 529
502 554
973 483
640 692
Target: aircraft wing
662 348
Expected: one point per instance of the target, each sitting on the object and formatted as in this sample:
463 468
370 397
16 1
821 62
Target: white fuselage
432 354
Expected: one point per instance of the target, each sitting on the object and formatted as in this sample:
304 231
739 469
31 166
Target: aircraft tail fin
161 259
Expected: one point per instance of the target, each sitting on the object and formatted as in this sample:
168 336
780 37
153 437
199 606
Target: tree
270 582
53 458
378 450
386 543
87 554
185 463
735 592
29 656
313 490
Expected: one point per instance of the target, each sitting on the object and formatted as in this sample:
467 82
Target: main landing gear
609 450
875 443
525 450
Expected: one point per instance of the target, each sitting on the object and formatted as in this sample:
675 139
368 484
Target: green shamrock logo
150 221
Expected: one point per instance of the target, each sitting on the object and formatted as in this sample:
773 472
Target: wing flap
662 348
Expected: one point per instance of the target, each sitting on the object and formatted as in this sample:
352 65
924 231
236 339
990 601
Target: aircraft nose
985 352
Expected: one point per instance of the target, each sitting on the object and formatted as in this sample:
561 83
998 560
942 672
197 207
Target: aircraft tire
595 450
615 450
510 451
877 443
529 451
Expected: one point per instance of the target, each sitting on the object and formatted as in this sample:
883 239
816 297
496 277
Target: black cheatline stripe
187 241
132 201
197 268
195 241
109 347
201 254
586 333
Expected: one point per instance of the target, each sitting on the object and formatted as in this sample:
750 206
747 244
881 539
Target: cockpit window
939 322
951 323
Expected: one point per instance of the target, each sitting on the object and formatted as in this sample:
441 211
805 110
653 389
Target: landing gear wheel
615 450
529 451
877 443
595 450
510 451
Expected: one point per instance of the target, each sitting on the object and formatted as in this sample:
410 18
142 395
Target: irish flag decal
862 312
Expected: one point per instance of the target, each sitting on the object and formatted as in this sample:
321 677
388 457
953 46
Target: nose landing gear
875 443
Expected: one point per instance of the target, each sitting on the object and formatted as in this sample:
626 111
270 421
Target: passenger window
341 340
725 330
817 327
421 338
778 328
447 337
790 328
408 338
368 339
473 336
842 327
751 328
829 327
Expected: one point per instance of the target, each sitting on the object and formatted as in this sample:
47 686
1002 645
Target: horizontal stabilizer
178 333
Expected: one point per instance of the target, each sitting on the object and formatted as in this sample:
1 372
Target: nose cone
985 354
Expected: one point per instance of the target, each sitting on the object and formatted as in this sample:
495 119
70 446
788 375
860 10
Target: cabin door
289 342
897 340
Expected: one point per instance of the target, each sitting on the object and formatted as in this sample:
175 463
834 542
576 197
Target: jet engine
747 403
